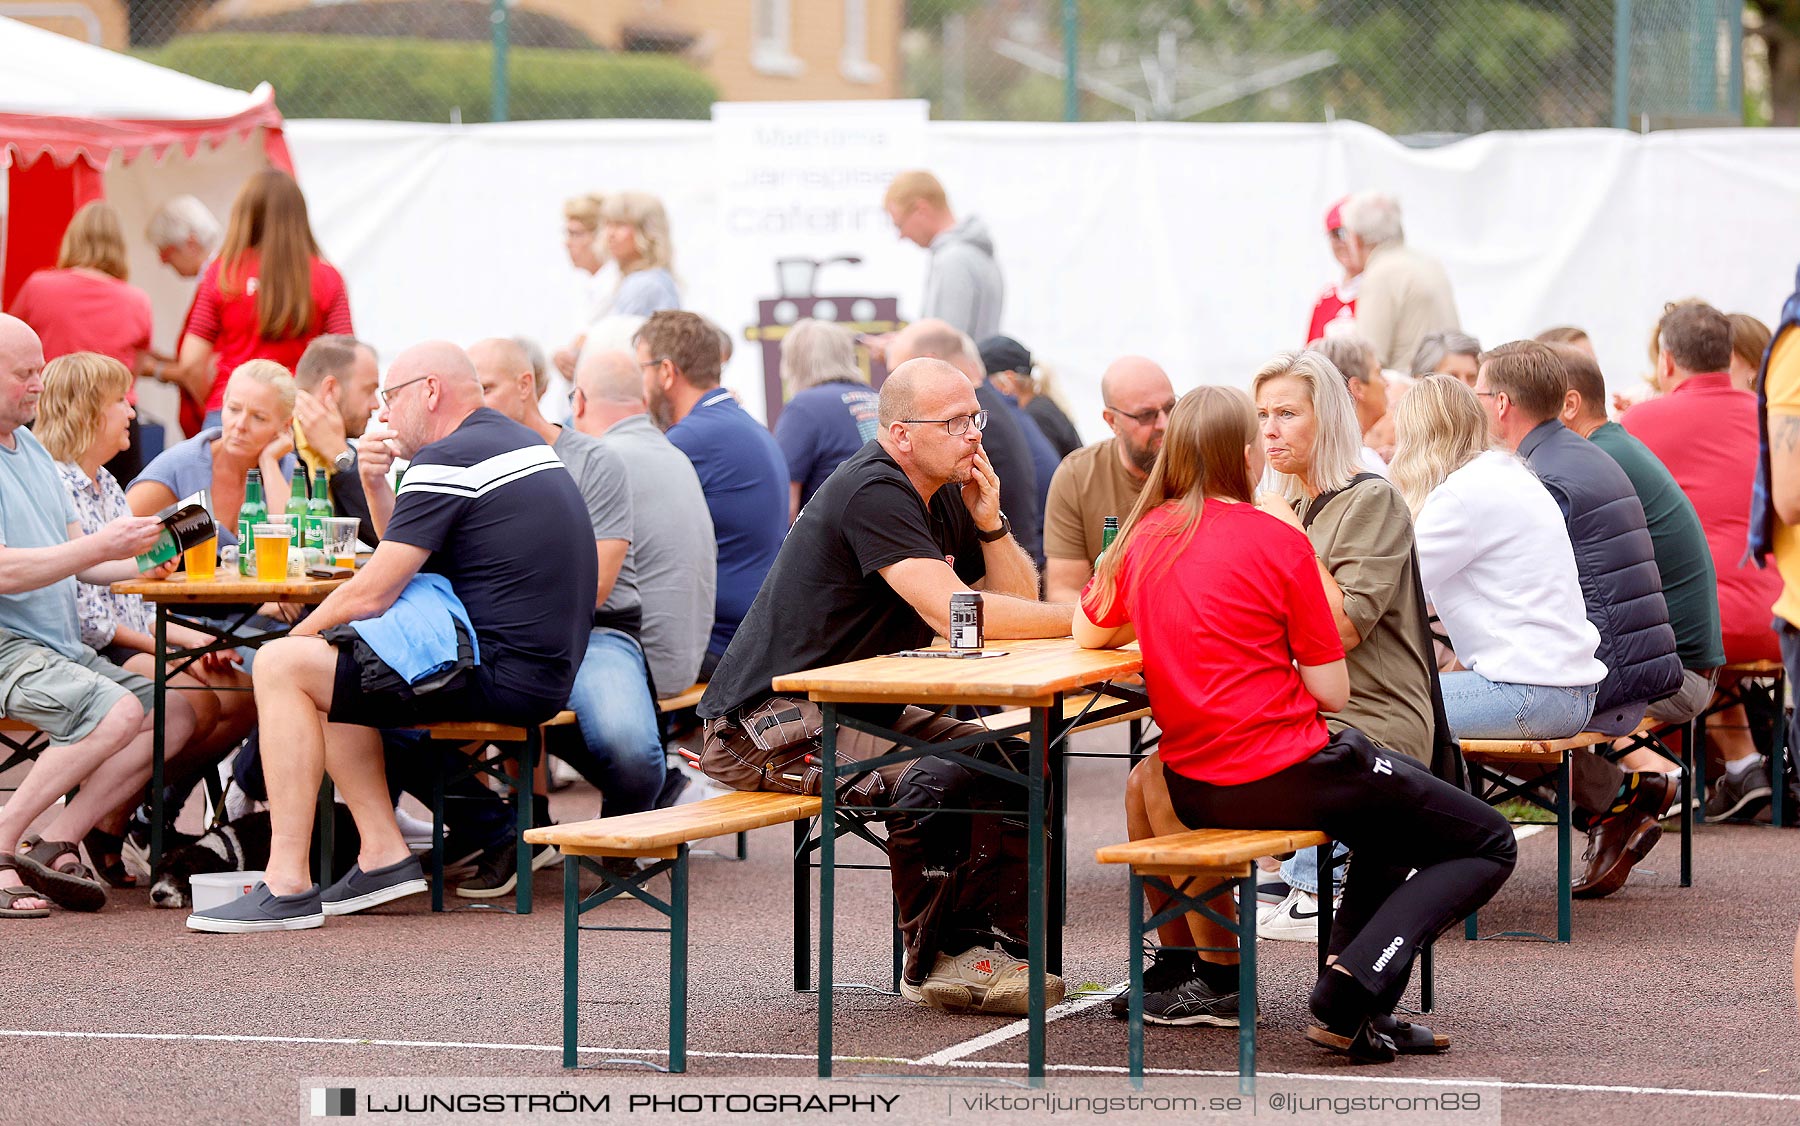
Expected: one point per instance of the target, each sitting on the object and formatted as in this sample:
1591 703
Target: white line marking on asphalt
1017 1028
1007 1065
1520 832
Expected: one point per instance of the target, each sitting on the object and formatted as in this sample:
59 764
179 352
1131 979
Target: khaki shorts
65 698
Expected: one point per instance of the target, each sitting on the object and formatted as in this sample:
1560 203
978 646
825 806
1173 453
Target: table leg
159 747
1037 885
827 857
1059 859
572 960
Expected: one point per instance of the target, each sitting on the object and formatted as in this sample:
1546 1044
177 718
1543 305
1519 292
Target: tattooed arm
1784 464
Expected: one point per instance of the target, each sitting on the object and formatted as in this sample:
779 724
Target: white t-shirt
1495 559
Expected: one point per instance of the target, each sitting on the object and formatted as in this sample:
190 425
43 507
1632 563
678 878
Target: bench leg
571 959
1327 892
1778 747
437 840
327 828
1696 779
802 910
1135 1020
1135 752
678 961
743 846
1246 929
1427 979
1689 741
523 786
899 949
1564 817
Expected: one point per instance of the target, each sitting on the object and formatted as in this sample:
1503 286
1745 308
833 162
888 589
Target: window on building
771 44
854 60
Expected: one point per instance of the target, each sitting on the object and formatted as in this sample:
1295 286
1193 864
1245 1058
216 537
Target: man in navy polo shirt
742 470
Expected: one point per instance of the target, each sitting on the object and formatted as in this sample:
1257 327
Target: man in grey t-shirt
621 749
673 541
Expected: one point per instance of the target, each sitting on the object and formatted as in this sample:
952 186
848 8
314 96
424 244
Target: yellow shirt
1783 389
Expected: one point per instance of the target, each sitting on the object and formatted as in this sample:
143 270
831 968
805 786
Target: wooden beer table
229 601
1035 675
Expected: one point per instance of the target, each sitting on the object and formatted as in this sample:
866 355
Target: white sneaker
1294 919
416 832
980 979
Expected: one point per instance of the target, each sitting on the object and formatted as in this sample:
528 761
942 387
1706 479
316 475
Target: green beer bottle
253 512
296 504
318 510
1109 531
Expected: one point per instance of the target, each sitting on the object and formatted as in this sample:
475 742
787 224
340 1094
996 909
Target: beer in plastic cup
340 540
202 561
272 552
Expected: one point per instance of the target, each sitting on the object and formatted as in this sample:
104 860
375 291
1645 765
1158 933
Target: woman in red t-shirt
86 305
265 297
1240 656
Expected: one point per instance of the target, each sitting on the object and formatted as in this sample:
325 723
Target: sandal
74 888
108 854
10 896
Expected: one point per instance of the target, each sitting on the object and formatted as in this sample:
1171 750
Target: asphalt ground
1672 1005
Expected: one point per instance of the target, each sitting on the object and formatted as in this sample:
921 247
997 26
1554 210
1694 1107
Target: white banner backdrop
1201 246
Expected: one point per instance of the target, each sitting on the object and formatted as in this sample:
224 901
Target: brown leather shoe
1620 841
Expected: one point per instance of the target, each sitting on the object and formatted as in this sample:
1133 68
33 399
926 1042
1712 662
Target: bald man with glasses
1104 479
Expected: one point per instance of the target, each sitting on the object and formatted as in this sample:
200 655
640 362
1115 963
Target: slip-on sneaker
360 890
261 910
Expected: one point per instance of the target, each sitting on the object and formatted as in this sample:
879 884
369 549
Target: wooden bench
526 742
1217 858
681 701
1493 762
661 835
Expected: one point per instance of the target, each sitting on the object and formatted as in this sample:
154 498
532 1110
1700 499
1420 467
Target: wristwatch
344 462
1004 530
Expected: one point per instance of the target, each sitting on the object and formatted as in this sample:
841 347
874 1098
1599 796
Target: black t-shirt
505 523
824 601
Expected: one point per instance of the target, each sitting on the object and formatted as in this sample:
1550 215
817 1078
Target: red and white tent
79 123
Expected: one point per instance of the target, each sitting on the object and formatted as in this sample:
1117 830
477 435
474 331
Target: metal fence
1405 66
1410 67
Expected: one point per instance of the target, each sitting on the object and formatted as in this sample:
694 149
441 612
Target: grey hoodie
964 286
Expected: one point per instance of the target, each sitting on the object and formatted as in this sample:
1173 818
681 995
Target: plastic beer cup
202 561
340 540
272 552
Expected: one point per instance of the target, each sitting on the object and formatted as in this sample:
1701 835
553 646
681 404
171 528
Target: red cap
1334 217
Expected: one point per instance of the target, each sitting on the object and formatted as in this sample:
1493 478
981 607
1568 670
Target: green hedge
421 80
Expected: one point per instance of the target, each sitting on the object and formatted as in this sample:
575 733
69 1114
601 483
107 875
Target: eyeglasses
1489 394
957 425
647 364
386 394
1144 418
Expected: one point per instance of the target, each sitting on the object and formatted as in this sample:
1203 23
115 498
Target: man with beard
742 470
1104 479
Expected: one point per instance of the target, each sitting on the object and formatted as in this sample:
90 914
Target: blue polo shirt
745 479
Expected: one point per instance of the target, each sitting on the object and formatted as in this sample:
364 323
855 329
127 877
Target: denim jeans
621 750
1479 708
1301 870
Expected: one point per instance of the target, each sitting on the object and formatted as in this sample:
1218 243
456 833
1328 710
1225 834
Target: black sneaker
1739 797
1167 969
496 874
1192 1002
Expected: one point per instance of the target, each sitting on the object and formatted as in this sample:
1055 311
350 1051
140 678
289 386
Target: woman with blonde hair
637 238
1498 568
1749 340
82 418
254 433
87 304
1241 656
832 411
266 296
1361 533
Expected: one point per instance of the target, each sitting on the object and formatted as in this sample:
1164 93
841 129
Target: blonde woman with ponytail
1241 655
1495 558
